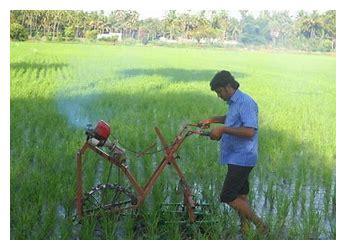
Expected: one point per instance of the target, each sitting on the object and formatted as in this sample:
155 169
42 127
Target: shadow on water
176 74
283 182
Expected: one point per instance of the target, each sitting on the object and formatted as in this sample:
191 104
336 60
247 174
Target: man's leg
241 205
244 223
234 193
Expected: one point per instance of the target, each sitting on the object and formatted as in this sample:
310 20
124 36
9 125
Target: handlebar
201 129
199 125
207 133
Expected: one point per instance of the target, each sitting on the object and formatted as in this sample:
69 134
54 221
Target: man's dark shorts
236 183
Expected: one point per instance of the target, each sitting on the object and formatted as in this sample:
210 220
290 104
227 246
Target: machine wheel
108 197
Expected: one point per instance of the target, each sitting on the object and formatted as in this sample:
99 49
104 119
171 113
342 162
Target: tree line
306 31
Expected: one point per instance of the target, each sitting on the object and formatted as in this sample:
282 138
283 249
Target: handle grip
200 125
203 125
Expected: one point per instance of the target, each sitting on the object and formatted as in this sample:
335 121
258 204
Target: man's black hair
222 79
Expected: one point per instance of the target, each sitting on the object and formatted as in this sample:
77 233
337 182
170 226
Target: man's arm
217 132
241 132
215 119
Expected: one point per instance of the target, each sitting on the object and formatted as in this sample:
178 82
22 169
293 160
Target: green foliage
204 32
323 45
91 35
130 41
254 32
49 36
18 32
60 38
113 39
278 29
69 33
150 29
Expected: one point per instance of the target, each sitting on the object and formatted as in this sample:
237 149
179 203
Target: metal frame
142 192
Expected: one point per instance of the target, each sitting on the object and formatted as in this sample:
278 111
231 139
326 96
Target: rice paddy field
57 88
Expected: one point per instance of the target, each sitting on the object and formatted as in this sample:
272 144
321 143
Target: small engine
98 137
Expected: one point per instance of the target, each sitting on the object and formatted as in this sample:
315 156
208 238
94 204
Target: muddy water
60 217
99 173
314 202
311 200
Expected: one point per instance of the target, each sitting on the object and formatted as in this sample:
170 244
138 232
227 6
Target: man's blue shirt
242 112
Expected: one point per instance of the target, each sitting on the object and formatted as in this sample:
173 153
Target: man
238 146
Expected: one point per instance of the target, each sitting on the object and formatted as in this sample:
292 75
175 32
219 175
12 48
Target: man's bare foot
244 227
262 229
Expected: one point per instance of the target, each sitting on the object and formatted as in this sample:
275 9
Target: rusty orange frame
142 192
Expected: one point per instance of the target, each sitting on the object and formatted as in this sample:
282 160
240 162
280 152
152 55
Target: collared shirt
242 112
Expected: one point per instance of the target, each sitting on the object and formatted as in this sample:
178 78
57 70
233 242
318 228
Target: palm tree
220 22
234 28
117 19
132 22
329 26
281 26
170 21
309 25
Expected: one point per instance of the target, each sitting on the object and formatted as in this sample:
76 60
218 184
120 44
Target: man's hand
205 123
216 133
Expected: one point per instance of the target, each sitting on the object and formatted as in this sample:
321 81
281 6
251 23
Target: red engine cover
103 130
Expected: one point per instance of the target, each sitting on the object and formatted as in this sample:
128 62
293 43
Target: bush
69 33
252 39
113 39
38 36
326 45
145 41
59 38
18 32
130 41
49 36
91 34
322 45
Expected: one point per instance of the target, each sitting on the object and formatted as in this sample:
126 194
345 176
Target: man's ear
230 89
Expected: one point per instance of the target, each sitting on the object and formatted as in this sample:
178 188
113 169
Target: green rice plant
56 89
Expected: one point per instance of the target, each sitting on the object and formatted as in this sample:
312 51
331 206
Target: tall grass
57 88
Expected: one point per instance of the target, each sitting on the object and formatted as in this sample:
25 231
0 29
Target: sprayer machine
113 197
